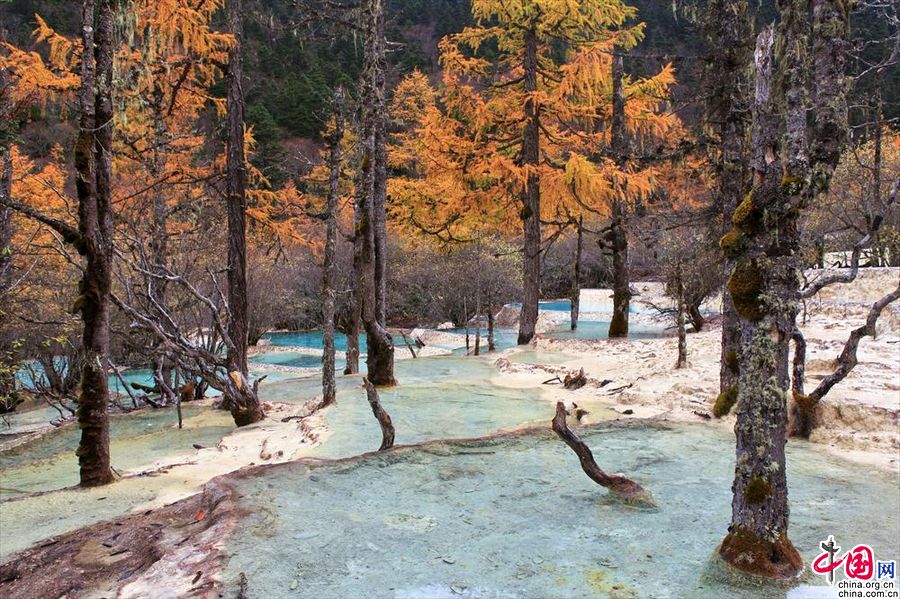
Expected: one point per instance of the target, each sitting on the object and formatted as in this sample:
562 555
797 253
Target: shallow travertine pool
515 517
138 439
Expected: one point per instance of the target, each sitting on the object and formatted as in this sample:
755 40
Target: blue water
288 359
311 339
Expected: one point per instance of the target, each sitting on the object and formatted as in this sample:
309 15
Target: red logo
859 562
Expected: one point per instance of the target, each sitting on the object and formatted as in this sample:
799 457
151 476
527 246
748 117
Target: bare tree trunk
478 322
236 184
618 236
352 364
380 352
466 320
616 483
162 370
354 309
384 420
93 160
329 391
680 320
576 276
531 197
491 346
728 80
6 220
244 405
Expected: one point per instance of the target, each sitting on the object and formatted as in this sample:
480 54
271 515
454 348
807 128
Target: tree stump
576 381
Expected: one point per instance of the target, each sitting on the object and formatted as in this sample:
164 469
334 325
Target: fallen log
620 485
384 420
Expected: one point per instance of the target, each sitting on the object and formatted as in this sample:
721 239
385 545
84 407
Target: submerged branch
616 483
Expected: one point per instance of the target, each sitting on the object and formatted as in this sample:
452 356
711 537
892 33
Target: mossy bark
792 163
763 284
728 79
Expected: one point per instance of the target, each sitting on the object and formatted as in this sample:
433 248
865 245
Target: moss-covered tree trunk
93 161
764 297
793 160
728 79
617 239
531 196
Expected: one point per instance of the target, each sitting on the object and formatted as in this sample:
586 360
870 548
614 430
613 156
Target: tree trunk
352 331
354 310
728 80
329 391
162 370
757 541
93 161
244 406
491 346
384 420
372 285
697 320
466 320
6 221
618 236
618 326
576 276
764 283
531 197
680 320
478 322
236 183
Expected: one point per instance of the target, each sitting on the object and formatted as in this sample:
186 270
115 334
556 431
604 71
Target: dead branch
616 483
850 275
803 407
384 420
408 344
